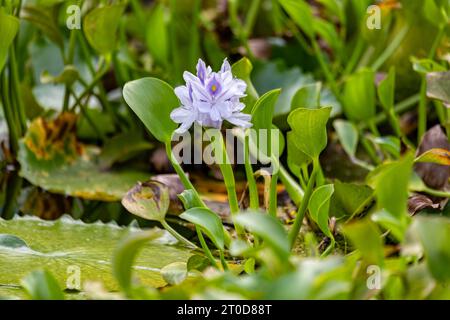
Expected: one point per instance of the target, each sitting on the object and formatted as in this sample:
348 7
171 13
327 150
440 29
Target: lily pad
58 245
51 158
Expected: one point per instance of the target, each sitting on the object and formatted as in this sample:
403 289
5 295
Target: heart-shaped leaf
319 207
208 222
309 128
153 100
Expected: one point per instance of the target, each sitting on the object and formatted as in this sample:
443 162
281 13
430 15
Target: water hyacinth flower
209 98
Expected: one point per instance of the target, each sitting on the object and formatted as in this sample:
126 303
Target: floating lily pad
51 158
58 245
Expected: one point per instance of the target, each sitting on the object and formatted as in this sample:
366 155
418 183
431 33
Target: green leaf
438 86
309 128
267 228
434 233
424 66
350 199
301 14
262 112
319 207
386 90
295 157
348 136
100 27
125 254
9 25
198 262
390 182
153 100
359 96
157 36
388 144
11 241
209 223
397 227
174 273
41 285
307 97
366 237
190 199
57 245
242 70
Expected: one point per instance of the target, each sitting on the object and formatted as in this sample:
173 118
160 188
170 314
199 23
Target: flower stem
178 236
252 187
303 206
205 247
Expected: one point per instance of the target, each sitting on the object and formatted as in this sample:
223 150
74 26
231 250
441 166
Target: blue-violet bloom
209 98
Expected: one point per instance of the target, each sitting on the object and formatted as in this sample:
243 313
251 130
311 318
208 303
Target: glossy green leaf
9 25
209 222
242 70
153 100
100 27
41 285
424 66
390 182
262 112
366 237
267 228
157 38
190 199
307 97
359 96
319 207
309 128
125 255
348 136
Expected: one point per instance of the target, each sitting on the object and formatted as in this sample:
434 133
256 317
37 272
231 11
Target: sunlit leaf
174 273
242 70
309 129
209 223
307 97
438 156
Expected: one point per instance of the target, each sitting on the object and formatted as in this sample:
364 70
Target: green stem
293 189
15 92
10 120
206 248
178 236
252 187
293 234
